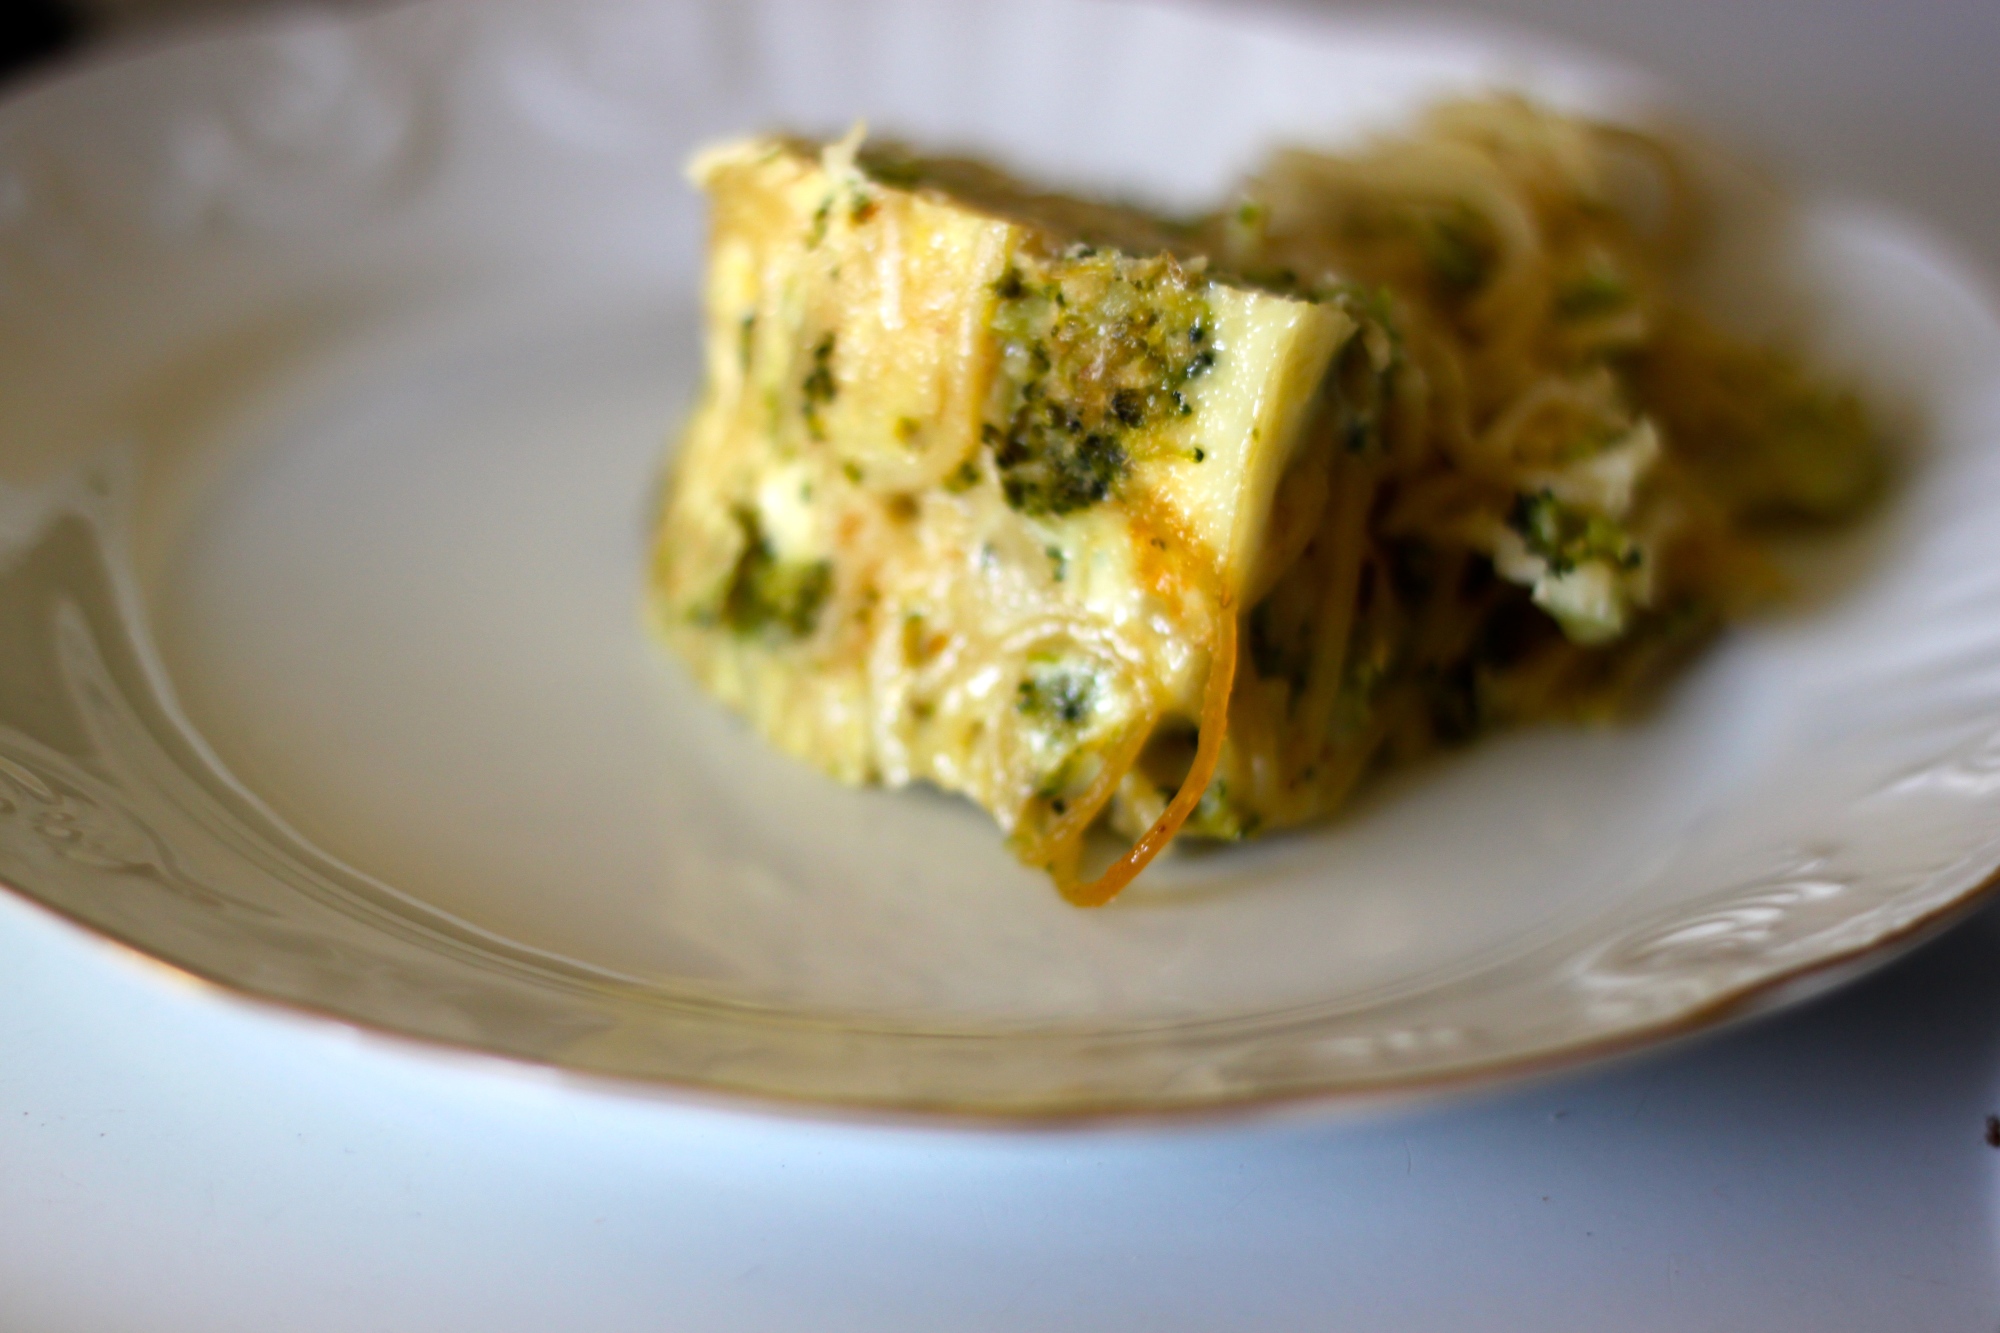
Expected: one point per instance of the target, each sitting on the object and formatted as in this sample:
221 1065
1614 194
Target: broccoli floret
1095 350
1056 692
770 595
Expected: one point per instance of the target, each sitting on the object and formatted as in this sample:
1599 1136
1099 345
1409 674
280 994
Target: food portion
1187 526
978 481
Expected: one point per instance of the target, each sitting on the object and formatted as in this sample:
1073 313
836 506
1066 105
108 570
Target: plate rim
1763 998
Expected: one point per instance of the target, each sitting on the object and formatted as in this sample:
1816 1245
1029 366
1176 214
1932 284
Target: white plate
338 359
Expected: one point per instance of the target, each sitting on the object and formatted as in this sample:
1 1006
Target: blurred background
1900 101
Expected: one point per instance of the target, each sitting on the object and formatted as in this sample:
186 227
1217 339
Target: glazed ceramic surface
339 361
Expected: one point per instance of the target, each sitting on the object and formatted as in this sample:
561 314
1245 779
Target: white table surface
171 1159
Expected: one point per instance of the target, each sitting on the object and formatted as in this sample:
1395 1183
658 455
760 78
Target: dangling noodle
1208 750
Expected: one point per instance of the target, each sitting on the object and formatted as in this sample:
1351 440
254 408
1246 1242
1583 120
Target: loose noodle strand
1208 752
